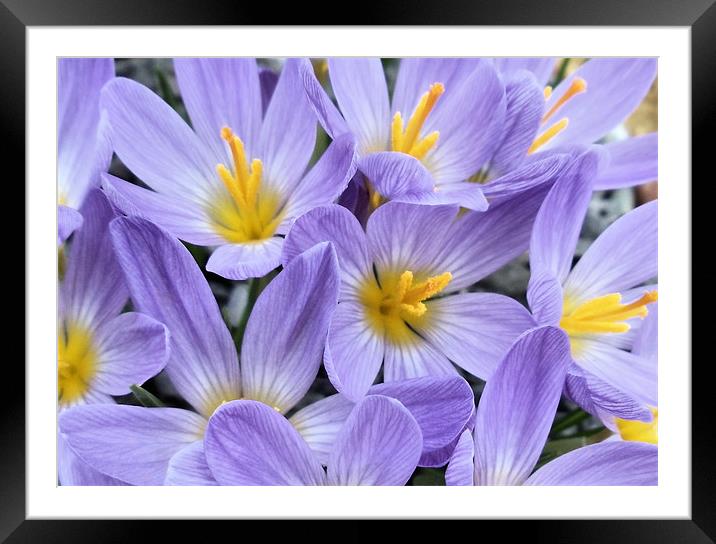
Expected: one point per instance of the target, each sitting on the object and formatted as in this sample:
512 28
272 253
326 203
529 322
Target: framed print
360 271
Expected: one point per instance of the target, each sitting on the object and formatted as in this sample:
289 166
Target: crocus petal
166 284
354 351
413 359
646 342
68 221
466 194
288 133
250 443
623 256
325 182
180 216
188 467
93 289
544 295
327 113
250 260
607 463
379 444
518 405
470 121
633 161
286 333
221 93
132 348
615 87
337 225
130 443
320 422
71 470
81 154
461 469
541 67
396 174
474 330
546 168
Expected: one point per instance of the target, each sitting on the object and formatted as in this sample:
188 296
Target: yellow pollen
407 140
605 314
578 86
548 134
547 92
640 431
76 363
251 213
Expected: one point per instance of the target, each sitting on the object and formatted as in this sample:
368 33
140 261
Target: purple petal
221 93
166 284
518 405
250 443
188 467
132 348
288 134
249 260
545 168
541 67
396 174
327 113
607 463
461 469
466 194
72 470
474 330
68 221
337 225
623 256
544 295
646 342
268 80
286 333
379 444
414 358
362 94
633 161
130 443
320 422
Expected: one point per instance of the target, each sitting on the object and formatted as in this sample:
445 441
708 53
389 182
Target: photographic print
357 271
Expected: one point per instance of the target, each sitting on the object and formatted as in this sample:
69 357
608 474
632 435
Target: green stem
145 398
255 286
562 72
568 421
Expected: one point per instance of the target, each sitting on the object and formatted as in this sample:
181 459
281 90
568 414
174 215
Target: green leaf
429 476
145 398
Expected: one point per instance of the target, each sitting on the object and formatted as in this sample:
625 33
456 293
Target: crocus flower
237 180
513 420
247 443
280 355
83 150
599 302
101 352
444 121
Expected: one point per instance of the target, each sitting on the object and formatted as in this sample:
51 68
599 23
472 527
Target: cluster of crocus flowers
370 346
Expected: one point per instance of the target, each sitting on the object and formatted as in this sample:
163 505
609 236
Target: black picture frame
699 15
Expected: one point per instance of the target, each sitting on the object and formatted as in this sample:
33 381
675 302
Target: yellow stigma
577 86
398 300
640 431
408 140
248 213
604 314
76 363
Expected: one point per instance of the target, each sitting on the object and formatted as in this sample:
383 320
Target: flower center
578 86
247 213
76 363
640 431
604 314
407 140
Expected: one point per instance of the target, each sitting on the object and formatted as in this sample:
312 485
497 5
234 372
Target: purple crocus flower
513 420
83 150
101 352
600 302
237 180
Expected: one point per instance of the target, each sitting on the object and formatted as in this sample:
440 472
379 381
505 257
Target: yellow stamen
547 92
640 431
548 134
407 140
577 86
76 363
605 314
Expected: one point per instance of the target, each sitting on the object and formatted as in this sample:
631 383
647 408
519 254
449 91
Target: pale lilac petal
541 67
268 80
288 133
131 348
320 422
379 444
218 93
337 225
465 194
354 351
188 467
71 470
131 443
517 407
615 87
545 168
461 469
646 342
249 260
623 256
166 283
396 174
414 358
68 221
250 443
607 463
286 332
327 113
633 161
474 330
544 295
